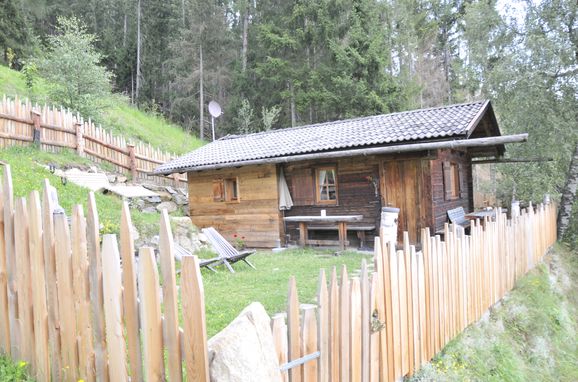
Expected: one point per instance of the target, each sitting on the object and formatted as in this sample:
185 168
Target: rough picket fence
21 124
384 325
72 311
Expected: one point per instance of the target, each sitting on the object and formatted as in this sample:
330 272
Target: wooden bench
359 229
456 216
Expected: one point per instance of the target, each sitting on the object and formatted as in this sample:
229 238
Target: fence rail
52 129
72 311
385 324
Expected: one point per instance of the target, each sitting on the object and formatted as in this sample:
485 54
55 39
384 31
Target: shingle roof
379 130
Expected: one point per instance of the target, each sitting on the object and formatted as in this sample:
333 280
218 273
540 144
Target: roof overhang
472 144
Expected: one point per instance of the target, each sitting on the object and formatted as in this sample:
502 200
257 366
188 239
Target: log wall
439 201
255 216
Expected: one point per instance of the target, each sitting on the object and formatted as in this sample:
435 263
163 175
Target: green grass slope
531 336
118 116
28 175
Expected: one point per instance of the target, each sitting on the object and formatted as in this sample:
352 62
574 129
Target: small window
455 180
226 190
452 180
326 185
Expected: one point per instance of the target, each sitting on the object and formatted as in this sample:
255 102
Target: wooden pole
35 115
79 130
132 162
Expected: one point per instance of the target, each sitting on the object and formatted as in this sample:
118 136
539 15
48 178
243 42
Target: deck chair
203 263
227 253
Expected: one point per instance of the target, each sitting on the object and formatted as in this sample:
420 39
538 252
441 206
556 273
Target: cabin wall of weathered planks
406 185
357 193
255 216
440 203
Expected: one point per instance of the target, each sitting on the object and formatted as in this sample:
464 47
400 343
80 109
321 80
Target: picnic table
341 221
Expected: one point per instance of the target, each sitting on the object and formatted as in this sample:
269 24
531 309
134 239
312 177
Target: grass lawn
118 116
226 294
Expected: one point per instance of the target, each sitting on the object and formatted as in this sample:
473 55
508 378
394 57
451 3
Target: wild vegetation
530 336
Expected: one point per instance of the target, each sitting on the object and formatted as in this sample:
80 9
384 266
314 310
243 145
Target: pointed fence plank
4 310
23 282
375 330
344 318
65 299
130 293
81 287
309 345
150 313
355 335
170 299
379 320
334 327
323 327
112 294
48 205
193 302
365 321
294 331
8 196
96 297
42 352
279 330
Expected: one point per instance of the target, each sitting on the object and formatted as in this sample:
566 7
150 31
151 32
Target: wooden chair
203 263
227 253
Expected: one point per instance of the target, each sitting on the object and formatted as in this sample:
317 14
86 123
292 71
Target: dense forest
276 64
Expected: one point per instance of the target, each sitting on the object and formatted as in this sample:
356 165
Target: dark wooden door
405 186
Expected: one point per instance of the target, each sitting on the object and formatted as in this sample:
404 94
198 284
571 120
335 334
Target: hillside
28 175
119 116
532 335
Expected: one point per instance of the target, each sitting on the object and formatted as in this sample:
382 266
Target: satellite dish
215 109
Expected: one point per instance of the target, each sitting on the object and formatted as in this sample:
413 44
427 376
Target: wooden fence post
132 161
79 130
35 115
323 326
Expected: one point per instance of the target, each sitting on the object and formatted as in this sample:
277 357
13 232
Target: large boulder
244 350
185 233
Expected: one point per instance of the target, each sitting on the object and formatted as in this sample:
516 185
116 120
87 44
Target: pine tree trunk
201 94
138 46
245 38
568 195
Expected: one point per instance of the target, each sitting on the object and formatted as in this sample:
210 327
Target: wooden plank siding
255 215
406 185
356 194
440 203
413 182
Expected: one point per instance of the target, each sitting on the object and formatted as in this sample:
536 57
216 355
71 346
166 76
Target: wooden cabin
418 161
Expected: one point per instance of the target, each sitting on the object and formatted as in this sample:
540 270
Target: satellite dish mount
215 111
